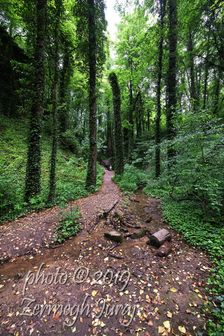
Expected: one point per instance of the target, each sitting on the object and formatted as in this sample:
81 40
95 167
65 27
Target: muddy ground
92 286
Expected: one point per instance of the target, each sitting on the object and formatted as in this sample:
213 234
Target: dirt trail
139 294
32 233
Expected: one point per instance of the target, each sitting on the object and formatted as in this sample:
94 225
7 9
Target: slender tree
172 78
130 114
91 173
139 111
52 179
64 82
33 170
110 147
193 90
162 9
118 141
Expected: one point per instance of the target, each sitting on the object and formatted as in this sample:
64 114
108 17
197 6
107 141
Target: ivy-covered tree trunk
217 90
130 119
172 80
193 90
118 141
148 120
110 151
33 170
140 115
64 82
52 179
91 173
162 4
205 91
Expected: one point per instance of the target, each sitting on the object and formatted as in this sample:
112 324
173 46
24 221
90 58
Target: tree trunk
33 170
91 172
158 89
63 115
148 119
119 151
130 118
110 153
205 93
217 91
139 112
52 179
171 80
193 91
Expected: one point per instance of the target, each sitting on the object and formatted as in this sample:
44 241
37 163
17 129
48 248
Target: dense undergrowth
71 172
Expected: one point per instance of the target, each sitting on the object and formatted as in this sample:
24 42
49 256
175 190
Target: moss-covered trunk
172 80
159 87
118 141
91 173
33 170
53 161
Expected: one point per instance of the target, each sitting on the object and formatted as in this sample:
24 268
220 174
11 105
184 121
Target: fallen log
158 238
164 250
114 236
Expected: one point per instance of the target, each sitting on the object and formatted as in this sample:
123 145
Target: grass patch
132 179
69 226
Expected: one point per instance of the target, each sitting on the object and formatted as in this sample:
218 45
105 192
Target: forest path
29 235
91 286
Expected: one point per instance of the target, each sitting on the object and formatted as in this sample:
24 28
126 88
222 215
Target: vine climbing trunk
193 91
33 169
172 81
52 179
118 141
110 145
64 83
162 4
91 172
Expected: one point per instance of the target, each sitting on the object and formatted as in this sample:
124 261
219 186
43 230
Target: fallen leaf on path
169 314
94 293
182 329
167 325
161 330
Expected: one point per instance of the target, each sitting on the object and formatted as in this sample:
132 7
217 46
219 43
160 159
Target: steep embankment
71 171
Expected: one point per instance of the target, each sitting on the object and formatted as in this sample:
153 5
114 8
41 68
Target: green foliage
197 175
71 172
68 226
82 13
69 142
132 179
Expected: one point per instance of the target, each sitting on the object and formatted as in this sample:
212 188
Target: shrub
68 226
132 179
69 142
